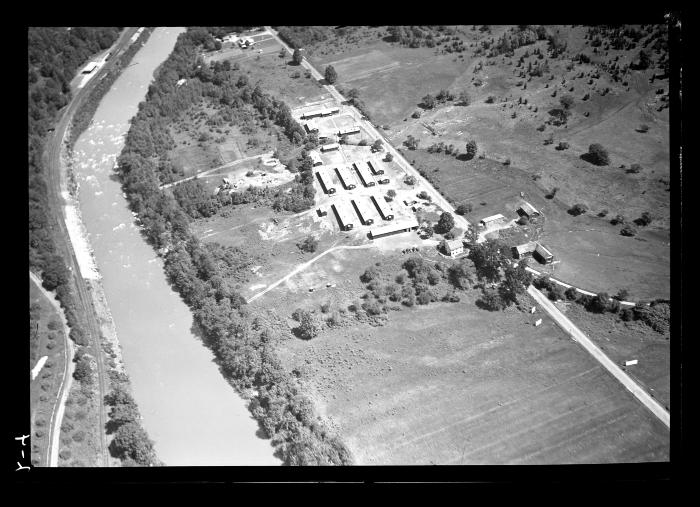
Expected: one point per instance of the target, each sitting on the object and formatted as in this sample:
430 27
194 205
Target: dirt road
52 162
59 405
305 265
604 360
208 171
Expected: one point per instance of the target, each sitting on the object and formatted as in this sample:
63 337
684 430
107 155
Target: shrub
562 146
490 99
471 149
54 324
627 314
296 315
64 454
643 128
597 155
556 292
79 436
409 180
618 219
310 244
644 220
578 209
634 169
464 208
603 213
389 157
628 230
308 326
491 300
571 294
371 273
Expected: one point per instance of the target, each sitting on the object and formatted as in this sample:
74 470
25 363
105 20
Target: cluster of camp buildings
243 42
370 173
325 133
361 208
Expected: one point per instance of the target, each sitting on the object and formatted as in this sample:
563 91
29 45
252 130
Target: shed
544 254
524 250
364 210
349 130
326 181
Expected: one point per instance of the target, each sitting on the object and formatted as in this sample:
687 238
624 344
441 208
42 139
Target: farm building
395 228
527 210
545 256
365 174
492 221
364 211
524 250
329 111
345 216
330 147
454 247
316 158
346 177
384 209
326 181
375 166
535 249
355 129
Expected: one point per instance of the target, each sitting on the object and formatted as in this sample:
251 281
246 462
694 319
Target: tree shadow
591 159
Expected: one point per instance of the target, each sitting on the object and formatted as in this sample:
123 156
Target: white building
454 247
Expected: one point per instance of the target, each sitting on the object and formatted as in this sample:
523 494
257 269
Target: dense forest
203 273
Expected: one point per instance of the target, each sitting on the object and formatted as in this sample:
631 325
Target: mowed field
452 384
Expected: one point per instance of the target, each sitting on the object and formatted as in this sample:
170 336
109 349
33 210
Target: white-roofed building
346 177
365 174
384 209
395 228
492 221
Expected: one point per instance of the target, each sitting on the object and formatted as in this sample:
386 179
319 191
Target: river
189 410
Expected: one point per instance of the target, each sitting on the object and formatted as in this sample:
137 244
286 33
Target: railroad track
52 161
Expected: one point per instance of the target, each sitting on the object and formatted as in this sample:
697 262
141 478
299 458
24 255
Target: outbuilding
375 167
355 129
492 221
544 255
524 250
527 210
326 181
364 211
330 147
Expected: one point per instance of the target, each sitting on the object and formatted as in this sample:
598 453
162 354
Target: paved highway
568 326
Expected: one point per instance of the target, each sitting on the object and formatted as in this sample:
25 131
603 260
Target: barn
543 254
355 129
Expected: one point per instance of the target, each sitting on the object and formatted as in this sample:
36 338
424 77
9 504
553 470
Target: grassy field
44 388
623 341
452 384
593 254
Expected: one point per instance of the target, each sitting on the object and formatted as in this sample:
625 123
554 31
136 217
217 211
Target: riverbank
78 450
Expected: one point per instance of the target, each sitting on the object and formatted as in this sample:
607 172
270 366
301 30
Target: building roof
364 208
346 176
384 207
526 247
492 218
332 146
454 244
528 208
394 227
364 172
345 213
315 156
541 247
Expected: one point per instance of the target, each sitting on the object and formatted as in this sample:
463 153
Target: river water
189 410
